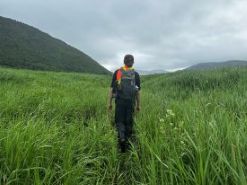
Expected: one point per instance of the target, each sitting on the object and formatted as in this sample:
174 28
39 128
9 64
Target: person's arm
138 95
110 97
138 100
110 94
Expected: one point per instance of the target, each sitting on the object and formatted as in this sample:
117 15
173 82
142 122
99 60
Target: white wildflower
170 112
162 120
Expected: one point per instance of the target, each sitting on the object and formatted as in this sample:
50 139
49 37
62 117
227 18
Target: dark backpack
126 86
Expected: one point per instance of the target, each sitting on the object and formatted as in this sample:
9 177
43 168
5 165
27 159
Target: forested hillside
22 46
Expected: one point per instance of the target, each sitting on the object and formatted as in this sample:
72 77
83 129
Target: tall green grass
55 129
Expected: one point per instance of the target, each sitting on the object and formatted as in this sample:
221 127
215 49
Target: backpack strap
119 76
121 71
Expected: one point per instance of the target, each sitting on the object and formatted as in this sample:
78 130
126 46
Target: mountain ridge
216 65
150 72
24 46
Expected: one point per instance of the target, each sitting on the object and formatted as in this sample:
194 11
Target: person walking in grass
125 88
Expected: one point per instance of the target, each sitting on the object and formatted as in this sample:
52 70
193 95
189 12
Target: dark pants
124 121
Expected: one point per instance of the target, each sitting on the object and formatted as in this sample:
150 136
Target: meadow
55 129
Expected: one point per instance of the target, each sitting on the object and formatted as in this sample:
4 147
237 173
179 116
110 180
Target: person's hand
138 108
110 107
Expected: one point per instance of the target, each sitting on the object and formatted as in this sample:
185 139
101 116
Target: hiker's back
126 85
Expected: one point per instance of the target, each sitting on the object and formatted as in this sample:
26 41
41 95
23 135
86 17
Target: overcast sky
161 34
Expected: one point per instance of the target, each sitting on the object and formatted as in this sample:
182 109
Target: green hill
218 65
22 46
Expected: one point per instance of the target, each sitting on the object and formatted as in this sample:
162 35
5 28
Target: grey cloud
161 34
